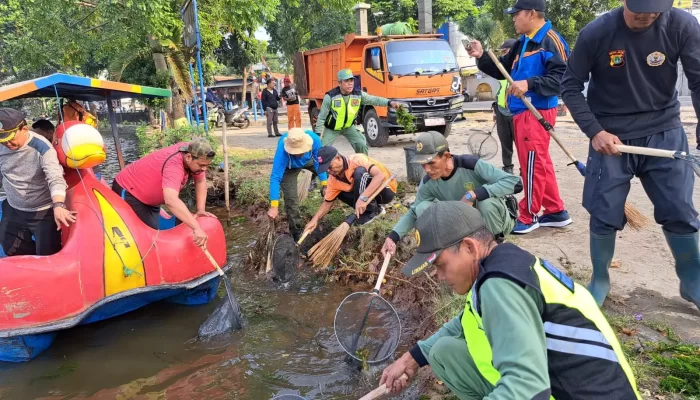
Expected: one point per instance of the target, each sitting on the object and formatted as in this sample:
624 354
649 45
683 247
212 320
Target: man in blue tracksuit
537 61
631 55
296 150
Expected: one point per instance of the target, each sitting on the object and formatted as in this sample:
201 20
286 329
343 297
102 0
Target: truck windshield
419 56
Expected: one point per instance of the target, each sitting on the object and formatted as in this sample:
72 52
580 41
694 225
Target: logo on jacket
336 103
617 58
419 146
355 102
656 59
469 186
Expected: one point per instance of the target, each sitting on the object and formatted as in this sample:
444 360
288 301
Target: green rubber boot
684 248
602 250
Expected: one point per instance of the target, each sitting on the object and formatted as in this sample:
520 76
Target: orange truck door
374 82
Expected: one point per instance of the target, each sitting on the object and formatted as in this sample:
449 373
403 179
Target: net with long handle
289 397
483 145
367 326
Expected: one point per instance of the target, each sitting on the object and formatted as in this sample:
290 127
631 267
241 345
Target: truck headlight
457 102
406 106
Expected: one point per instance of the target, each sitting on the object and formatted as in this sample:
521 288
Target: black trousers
146 213
17 228
696 106
504 127
362 179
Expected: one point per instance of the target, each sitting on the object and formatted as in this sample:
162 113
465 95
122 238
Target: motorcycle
238 117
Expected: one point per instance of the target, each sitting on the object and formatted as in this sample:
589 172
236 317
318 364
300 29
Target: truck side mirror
376 59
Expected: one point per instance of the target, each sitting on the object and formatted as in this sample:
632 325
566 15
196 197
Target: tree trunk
177 112
245 88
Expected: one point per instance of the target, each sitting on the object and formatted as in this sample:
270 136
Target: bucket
414 172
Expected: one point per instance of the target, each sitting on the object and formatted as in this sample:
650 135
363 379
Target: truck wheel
376 134
445 130
313 116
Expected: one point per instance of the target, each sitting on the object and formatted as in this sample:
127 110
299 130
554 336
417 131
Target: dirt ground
645 281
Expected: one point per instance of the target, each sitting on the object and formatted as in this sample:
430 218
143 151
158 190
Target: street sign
189 36
687 4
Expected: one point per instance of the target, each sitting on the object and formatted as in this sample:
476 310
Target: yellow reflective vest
584 356
342 114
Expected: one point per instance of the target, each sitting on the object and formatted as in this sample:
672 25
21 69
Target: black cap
508 44
442 225
649 6
428 145
537 5
326 154
10 122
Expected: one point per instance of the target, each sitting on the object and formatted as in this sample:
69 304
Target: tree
239 52
407 11
300 26
484 29
568 16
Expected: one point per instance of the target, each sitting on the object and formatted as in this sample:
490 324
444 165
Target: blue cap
537 5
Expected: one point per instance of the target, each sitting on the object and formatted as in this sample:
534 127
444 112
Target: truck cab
418 71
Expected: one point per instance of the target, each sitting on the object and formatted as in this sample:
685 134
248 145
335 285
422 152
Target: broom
636 219
323 252
270 244
303 183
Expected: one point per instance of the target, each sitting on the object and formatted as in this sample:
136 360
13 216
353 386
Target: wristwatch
468 196
59 204
364 198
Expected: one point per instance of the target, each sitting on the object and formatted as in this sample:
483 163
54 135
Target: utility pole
425 16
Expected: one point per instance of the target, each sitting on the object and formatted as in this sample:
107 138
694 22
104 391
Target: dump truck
418 71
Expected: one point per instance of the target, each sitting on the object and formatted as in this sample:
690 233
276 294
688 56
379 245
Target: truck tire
445 130
313 117
376 134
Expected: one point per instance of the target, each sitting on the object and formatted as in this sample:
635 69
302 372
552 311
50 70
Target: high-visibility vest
502 98
584 356
343 114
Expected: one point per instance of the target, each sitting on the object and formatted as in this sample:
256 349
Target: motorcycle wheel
245 124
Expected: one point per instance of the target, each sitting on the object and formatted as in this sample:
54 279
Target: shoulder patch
558 275
39 145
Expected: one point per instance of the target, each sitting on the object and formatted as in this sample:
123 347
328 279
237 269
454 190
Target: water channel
154 353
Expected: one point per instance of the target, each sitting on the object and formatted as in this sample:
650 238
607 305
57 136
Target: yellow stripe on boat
123 267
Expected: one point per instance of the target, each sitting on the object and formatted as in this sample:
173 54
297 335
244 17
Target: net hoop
351 354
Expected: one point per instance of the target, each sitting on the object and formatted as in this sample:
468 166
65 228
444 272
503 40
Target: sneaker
556 220
371 214
521 228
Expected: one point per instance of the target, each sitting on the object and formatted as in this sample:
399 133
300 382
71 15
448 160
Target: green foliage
253 192
483 28
151 140
568 16
406 120
301 26
407 11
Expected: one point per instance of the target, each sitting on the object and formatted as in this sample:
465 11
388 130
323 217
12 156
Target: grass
665 366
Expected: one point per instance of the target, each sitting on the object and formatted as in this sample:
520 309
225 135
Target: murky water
288 347
110 166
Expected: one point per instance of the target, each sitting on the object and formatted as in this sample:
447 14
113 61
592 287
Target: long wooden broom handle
381 274
532 109
645 151
213 262
380 391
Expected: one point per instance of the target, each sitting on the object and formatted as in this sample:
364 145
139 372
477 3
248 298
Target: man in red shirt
158 178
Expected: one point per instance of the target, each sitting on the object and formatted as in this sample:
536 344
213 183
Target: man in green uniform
504 118
527 330
339 109
453 178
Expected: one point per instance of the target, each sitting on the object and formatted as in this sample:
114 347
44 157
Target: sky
261 34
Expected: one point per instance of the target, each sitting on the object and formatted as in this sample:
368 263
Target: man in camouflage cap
340 108
451 177
157 179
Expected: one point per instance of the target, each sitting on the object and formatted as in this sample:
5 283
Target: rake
323 252
635 218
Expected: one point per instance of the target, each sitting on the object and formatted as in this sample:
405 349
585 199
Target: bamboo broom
323 252
303 183
635 218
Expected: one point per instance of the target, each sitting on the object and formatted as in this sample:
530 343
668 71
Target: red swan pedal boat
111 262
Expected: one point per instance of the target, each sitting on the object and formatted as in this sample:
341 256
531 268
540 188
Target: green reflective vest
502 98
583 353
342 114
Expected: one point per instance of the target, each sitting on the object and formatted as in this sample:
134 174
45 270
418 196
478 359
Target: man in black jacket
631 55
270 102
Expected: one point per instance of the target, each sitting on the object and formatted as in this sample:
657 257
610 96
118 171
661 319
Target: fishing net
483 145
285 258
367 327
226 318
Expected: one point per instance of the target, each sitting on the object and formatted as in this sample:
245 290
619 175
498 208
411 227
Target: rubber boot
602 251
684 247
